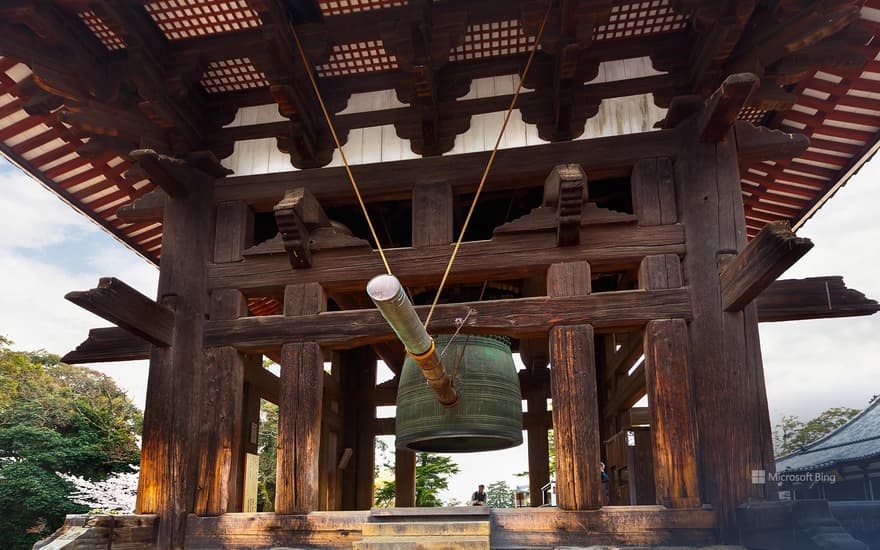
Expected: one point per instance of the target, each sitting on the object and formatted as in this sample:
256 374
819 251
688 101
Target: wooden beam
109 344
724 105
755 144
432 215
612 246
404 478
129 309
266 384
518 318
773 250
630 388
812 298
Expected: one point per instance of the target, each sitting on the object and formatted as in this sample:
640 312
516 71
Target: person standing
479 496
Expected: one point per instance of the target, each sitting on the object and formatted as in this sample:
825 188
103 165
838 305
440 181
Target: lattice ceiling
180 19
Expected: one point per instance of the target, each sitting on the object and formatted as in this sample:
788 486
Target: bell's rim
457 441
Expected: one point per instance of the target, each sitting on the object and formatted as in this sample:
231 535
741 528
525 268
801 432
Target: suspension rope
357 192
489 164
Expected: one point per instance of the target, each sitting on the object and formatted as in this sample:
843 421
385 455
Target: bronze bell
488 416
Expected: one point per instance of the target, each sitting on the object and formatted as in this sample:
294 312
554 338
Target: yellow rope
357 192
488 165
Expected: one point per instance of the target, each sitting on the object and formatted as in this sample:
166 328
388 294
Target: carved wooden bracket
297 215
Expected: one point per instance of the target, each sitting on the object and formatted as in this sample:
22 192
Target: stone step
426 528
423 543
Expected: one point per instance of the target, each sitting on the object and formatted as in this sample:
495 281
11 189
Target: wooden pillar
250 430
221 448
670 396
404 478
358 380
172 416
573 387
432 219
734 422
539 449
299 409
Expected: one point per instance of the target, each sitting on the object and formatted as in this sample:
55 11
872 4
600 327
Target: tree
432 477
500 495
791 435
267 445
56 418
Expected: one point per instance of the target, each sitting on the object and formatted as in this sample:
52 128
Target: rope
488 165
357 192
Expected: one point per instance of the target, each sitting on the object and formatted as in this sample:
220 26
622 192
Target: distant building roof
858 439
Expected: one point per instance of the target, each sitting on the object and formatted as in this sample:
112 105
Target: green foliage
790 434
432 477
56 418
268 450
500 495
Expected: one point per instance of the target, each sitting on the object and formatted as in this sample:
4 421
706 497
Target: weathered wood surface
234 231
773 250
724 105
404 478
673 422
514 168
575 397
653 192
535 384
175 387
518 318
129 309
668 379
109 344
616 526
728 379
432 214
812 298
758 143
100 532
513 256
299 428
245 531
300 408
357 373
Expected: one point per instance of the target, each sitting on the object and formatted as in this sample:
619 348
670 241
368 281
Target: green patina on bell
489 414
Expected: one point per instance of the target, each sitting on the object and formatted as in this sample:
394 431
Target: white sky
47 250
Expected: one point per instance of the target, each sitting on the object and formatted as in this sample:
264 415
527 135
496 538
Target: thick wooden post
358 380
172 418
575 398
539 450
670 394
221 448
432 214
404 478
299 410
729 390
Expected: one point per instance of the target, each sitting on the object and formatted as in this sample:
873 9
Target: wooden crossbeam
518 318
773 250
628 392
129 309
812 298
514 168
109 344
724 105
513 256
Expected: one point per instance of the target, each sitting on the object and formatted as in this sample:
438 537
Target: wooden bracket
773 250
175 175
297 215
129 309
758 143
109 344
724 105
812 298
566 189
